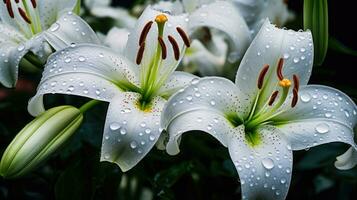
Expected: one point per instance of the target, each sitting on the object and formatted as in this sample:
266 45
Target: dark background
202 170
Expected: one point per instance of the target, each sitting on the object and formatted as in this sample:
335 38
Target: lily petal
207 63
13 46
122 16
347 160
268 47
85 70
177 81
117 38
51 10
70 29
265 168
208 100
322 115
129 132
223 16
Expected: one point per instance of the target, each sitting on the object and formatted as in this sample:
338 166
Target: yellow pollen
161 19
285 83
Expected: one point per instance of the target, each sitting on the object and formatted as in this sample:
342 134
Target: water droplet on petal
122 131
20 47
133 144
55 27
283 181
322 128
152 137
268 163
114 126
195 81
305 97
81 58
213 102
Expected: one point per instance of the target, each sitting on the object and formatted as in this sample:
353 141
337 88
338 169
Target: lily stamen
145 32
184 36
34 4
163 48
175 47
140 54
9 8
296 82
24 16
279 70
262 74
295 98
273 98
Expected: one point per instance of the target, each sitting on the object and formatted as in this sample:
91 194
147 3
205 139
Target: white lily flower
102 8
256 11
137 85
23 25
117 39
267 113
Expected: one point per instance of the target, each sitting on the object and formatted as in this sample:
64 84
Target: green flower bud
39 139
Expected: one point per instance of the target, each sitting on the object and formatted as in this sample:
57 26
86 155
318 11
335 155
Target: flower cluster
269 111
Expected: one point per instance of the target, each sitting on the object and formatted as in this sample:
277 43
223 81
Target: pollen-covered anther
273 98
24 16
279 70
285 83
295 98
140 54
261 76
145 32
175 47
9 8
163 48
185 38
161 18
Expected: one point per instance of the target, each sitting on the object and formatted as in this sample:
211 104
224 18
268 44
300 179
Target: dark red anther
272 98
262 74
295 98
279 70
34 4
17 1
163 48
296 82
140 54
184 36
175 47
9 8
145 32
24 16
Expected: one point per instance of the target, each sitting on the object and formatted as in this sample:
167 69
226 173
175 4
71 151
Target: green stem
34 60
90 104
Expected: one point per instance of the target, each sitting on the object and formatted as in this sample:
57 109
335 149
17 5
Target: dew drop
122 131
67 60
81 58
21 47
213 102
114 126
286 55
296 60
133 144
328 115
195 81
283 181
305 97
322 128
55 27
152 137
268 163
189 98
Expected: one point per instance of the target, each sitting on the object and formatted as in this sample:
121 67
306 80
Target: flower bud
39 139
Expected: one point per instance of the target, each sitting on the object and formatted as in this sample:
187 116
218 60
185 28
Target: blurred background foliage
203 169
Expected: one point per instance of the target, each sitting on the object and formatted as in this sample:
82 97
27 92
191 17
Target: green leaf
337 46
316 19
322 183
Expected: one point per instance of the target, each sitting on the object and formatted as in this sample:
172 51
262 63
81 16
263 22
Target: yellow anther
161 19
285 83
